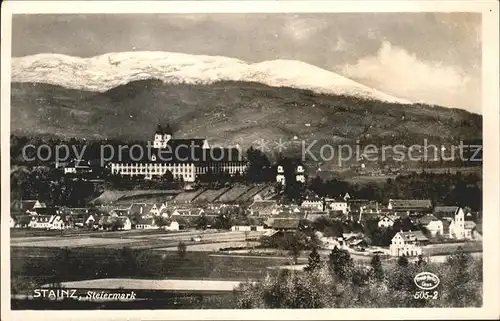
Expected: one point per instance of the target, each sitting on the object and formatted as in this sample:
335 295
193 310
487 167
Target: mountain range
225 99
107 71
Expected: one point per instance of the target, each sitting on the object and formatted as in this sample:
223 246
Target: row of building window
152 165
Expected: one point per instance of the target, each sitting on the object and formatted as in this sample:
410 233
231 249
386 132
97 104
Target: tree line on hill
442 189
51 187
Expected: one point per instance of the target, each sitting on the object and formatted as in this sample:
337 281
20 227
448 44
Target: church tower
163 135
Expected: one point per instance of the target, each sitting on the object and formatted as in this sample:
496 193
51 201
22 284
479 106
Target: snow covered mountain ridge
104 72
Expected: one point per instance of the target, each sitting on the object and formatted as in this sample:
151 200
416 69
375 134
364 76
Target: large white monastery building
186 159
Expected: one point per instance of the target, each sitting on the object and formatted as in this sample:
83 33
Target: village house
247 228
162 207
146 224
119 212
143 210
126 224
453 219
59 222
172 225
387 221
30 206
477 232
358 202
408 243
77 166
48 211
371 210
290 209
77 211
136 209
41 221
164 212
91 219
262 207
352 237
410 206
20 221
286 214
188 212
330 243
314 215
153 210
469 227
337 205
114 222
432 224
313 204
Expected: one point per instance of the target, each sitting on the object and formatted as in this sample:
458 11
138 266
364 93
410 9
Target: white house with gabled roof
408 243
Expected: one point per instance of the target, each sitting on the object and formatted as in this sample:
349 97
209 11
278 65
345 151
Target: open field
464 170
210 195
139 239
144 284
32 266
233 193
211 246
250 193
448 248
187 197
369 179
73 242
114 196
16 234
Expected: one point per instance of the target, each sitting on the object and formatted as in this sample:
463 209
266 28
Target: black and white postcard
250 160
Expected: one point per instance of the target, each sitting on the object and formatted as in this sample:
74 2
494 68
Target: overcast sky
429 57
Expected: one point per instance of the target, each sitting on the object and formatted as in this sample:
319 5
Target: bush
352 286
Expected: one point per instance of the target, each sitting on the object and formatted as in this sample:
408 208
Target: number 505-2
426 295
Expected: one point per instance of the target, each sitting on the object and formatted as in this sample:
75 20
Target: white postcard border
491 165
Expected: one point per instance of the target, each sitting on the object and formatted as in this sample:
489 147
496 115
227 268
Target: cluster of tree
293 242
220 179
113 224
334 228
259 167
340 283
374 235
382 236
446 189
49 186
119 182
28 150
